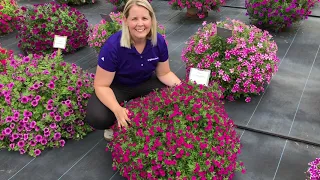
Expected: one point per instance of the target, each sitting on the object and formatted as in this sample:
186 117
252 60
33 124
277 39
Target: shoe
108 134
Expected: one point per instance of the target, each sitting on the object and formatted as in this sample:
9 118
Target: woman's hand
121 114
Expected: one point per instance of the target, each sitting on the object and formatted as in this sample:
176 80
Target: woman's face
139 22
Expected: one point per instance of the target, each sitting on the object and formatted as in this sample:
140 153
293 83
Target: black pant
101 117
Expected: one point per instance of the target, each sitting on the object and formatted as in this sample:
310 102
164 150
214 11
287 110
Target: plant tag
223 32
106 17
200 76
60 42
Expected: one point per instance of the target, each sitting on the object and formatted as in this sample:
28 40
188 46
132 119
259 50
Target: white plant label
60 42
200 76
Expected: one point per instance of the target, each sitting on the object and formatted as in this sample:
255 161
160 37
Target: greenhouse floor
289 107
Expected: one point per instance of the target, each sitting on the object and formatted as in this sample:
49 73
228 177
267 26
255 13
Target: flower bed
76 2
314 170
279 14
241 64
102 31
201 6
8 10
42 103
4 55
177 133
38 25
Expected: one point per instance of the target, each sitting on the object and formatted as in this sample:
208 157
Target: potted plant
100 32
241 64
8 10
279 14
119 4
42 103
37 27
199 8
177 133
75 2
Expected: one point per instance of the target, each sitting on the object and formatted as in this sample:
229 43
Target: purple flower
34 103
66 114
9 119
12 145
25 137
57 118
51 85
6 131
62 142
24 99
26 59
44 141
33 143
33 124
38 138
49 107
57 136
27 113
20 144
53 126
37 152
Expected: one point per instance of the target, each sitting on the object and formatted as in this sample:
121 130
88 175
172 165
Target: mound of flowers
201 7
279 14
177 133
102 31
42 103
38 25
241 64
75 2
4 56
8 10
119 4
314 170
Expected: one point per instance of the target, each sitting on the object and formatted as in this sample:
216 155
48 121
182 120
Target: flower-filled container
76 2
42 103
4 56
38 25
8 10
241 64
100 32
314 170
277 15
198 8
177 133
119 4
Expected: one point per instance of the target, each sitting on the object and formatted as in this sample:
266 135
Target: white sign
200 76
60 41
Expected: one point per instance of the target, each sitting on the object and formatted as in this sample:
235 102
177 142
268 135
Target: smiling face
139 23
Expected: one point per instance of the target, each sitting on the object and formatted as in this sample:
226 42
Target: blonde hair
125 37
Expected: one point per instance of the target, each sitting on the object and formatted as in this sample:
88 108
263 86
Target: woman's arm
102 82
165 75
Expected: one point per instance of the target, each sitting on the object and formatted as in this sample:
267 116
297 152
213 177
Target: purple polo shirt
131 68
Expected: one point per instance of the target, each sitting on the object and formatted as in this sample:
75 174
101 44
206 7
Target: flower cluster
76 2
119 4
100 32
38 25
314 170
42 103
278 14
4 55
177 133
8 10
241 64
201 5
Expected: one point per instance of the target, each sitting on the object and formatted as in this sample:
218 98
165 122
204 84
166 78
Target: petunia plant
8 10
202 6
76 2
314 170
241 64
100 32
278 14
38 25
181 132
42 103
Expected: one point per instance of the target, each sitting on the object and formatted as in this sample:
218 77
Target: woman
132 63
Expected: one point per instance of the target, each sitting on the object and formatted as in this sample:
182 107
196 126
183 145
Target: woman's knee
98 115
